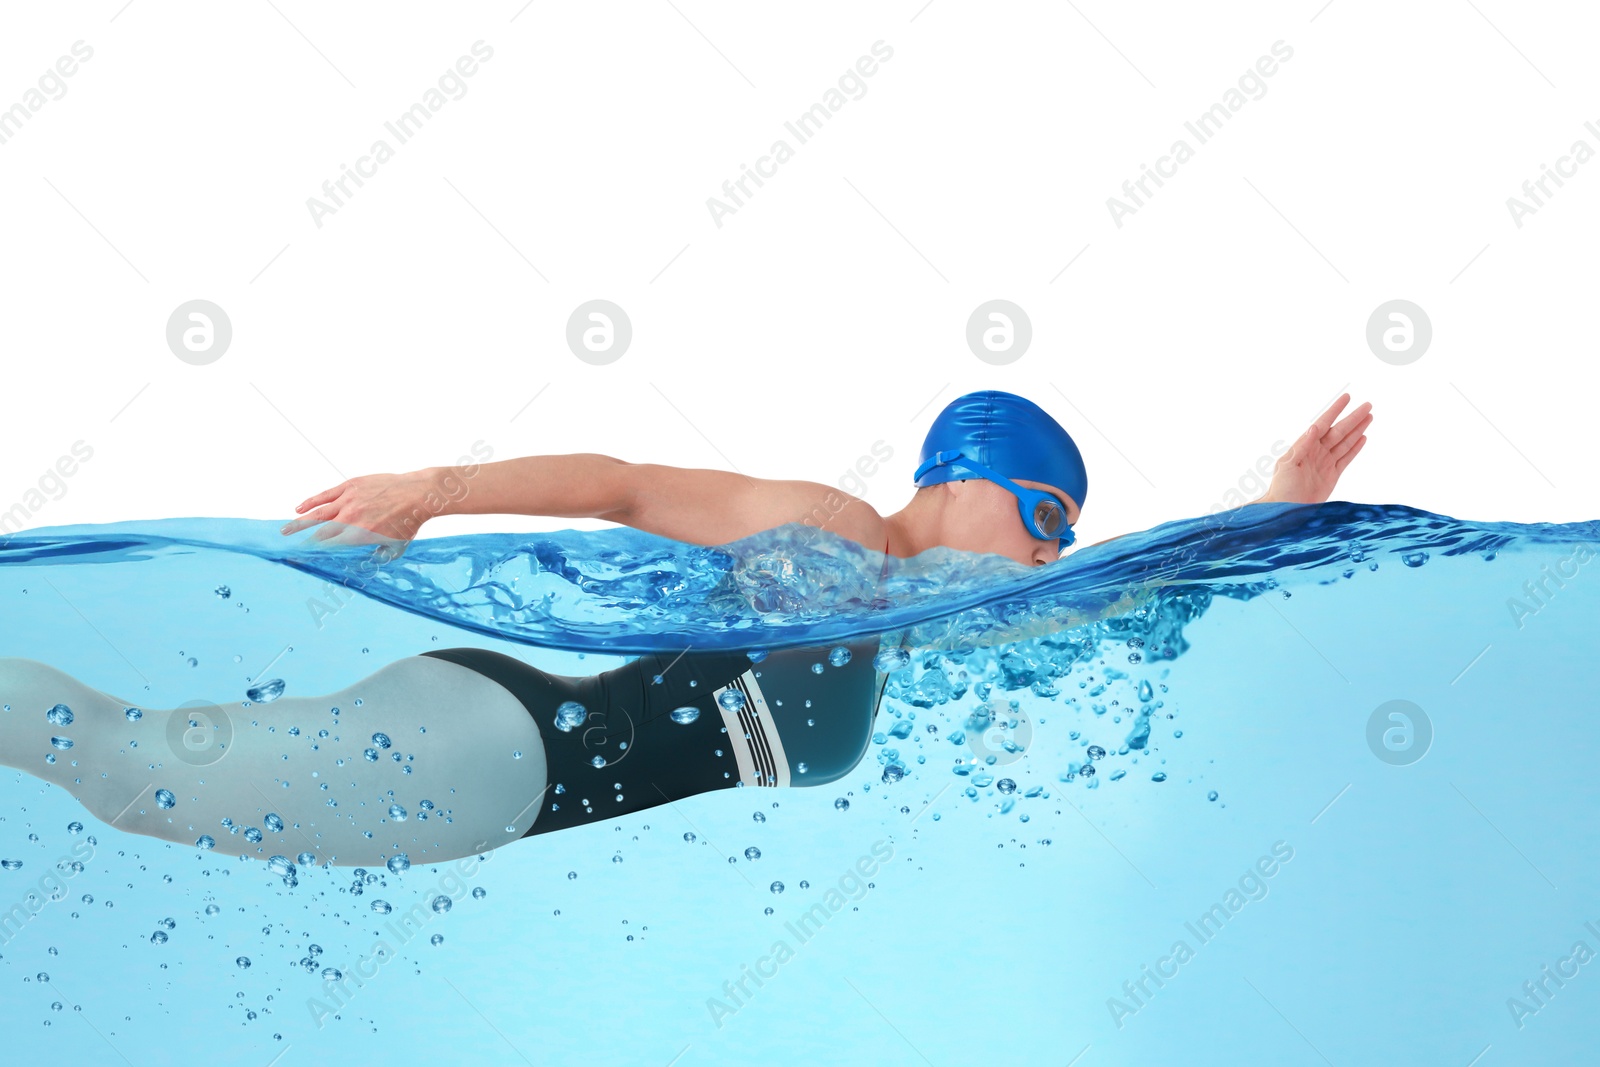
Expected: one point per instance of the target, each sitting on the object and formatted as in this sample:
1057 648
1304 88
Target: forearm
580 485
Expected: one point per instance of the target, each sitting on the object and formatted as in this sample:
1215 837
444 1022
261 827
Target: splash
625 591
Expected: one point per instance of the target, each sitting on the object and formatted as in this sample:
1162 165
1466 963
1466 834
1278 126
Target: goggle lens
1049 518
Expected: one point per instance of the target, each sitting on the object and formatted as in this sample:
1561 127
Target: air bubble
266 692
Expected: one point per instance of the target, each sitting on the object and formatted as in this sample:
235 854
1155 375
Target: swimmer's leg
457 741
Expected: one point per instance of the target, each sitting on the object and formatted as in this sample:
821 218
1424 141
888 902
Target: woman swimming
454 751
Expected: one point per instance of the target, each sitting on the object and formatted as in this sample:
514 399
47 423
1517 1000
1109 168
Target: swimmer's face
985 519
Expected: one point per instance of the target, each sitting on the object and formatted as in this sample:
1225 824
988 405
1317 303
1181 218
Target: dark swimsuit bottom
779 722
794 718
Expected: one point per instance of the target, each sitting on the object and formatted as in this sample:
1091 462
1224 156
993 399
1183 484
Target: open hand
1307 473
381 509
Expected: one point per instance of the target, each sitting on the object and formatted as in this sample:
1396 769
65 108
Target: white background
830 310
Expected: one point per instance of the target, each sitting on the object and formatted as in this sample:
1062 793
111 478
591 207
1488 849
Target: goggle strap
938 459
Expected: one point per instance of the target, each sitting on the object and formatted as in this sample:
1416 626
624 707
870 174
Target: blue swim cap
1009 433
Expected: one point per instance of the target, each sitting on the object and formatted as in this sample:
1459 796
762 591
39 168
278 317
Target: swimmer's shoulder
847 516
825 507
712 507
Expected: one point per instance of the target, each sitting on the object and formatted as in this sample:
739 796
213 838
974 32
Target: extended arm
1309 470
698 506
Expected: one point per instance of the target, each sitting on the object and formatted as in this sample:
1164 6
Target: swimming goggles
1043 514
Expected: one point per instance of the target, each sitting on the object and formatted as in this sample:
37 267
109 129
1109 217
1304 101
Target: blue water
1395 881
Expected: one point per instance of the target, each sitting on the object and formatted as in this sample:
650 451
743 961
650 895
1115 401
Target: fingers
1354 422
1344 446
1319 427
322 497
346 536
322 514
350 535
1349 428
1325 420
1344 461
